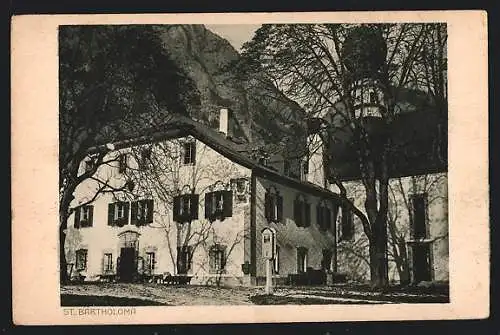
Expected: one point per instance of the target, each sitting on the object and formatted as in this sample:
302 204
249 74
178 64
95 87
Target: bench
176 280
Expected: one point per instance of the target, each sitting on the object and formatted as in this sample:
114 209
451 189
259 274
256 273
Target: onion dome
364 52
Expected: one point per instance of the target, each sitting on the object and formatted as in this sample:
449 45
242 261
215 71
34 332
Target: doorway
127 268
421 263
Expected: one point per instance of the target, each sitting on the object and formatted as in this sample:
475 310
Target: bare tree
107 74
314 65
158 171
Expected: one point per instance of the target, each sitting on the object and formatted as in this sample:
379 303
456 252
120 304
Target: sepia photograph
246 164
250 168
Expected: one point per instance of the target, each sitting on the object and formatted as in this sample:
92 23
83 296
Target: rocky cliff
207 59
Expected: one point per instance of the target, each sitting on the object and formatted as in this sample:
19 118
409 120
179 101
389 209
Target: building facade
191 204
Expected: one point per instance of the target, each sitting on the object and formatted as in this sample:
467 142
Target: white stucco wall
353 255
289 236
163 233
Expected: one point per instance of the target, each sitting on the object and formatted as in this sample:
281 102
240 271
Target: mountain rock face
207 58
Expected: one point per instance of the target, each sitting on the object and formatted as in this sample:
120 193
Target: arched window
302 211
273 204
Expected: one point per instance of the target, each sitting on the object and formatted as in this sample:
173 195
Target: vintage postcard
222 168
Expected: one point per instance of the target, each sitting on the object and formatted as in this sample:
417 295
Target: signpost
268 253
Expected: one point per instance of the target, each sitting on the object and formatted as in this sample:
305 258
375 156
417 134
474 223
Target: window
142 212
305 166
218 205
184 259
373 97
217 255
150 261
323 217
118 214
347 225
286 168
326 261
81 259
301 259
273 204
122 163
276 260
189 152
84 216
239 187
302 212
145 158
185 207
89 165
108 262
419 224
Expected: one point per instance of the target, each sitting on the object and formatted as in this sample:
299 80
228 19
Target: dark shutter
328 219
111 214
307 212
177 206
149 214
267 206
193 152
319 216
194 198
335 214
227 197
279 199
272 213
296 212
208 205
77 217
134 214
91 216
126 213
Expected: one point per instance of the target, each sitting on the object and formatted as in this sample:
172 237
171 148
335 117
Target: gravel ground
168 295
208 295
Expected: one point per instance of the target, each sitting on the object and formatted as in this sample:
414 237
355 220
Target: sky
236 34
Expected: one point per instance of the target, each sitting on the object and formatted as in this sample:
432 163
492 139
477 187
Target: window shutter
296 212
134 214
319 216
91 216
328 219
267 206
208 205
111 214
194 198
272 206
149 214
335 214
77 217
307 212
177 206
126 210
193 152
279 198
227 197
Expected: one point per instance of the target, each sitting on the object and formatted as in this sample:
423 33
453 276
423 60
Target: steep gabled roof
180 125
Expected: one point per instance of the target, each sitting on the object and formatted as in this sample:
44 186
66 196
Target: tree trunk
378 260
63 273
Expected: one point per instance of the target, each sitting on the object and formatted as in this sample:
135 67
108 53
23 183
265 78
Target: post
269 278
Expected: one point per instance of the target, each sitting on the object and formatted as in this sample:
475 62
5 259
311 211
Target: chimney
223 120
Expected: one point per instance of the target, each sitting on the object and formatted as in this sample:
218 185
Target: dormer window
189 153
185 207
218 205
